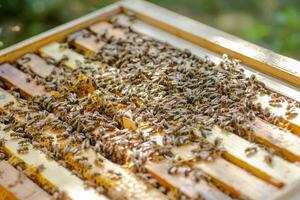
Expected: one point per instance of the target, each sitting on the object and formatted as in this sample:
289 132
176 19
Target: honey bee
250 151
268 160
23 150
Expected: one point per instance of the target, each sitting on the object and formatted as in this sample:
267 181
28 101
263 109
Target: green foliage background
274 24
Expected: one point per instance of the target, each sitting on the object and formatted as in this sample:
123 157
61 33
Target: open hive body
118 153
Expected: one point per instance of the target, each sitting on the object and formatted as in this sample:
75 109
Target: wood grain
15 77
108 29
59 53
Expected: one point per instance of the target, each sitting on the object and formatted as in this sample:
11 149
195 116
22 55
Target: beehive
260 166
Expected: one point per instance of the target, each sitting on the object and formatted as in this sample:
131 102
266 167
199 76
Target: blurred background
274 24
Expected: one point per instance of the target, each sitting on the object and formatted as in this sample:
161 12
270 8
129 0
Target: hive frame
273 65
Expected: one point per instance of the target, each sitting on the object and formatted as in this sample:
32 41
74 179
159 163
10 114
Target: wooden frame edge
58 33
256 57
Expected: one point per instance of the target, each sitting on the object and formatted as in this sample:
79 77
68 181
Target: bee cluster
169 94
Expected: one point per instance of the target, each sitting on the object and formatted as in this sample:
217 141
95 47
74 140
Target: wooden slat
208 37
285 142
19 185
57 52
73 59
127 185
71 37
65 181
178 181
101 27
36 65
293 124
89 44
17 78
280 172
237 181
105 27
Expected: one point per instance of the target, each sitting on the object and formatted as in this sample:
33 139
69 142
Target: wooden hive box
233 175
